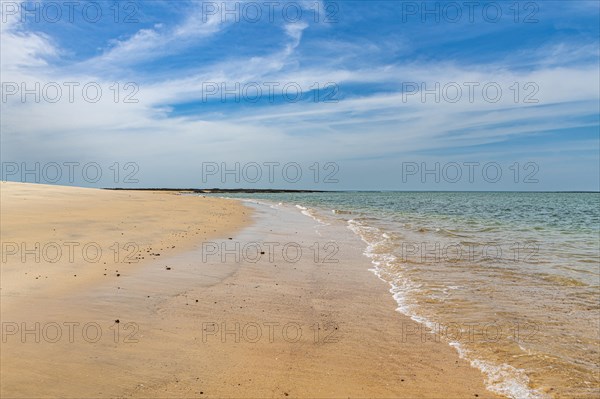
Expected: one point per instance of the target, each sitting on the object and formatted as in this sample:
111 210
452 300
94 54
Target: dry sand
285 329
70 224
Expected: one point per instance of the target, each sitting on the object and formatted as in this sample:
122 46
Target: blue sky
370 61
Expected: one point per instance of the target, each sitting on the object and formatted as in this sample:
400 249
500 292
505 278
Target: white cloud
151 43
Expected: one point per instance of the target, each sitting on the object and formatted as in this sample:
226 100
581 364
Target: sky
329 95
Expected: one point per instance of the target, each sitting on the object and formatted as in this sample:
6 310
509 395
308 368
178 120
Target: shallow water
511 280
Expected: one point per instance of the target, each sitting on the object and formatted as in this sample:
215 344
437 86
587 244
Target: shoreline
224 325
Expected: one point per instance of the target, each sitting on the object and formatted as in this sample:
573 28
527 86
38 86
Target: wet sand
204 319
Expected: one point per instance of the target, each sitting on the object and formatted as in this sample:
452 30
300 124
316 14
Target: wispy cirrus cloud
162 39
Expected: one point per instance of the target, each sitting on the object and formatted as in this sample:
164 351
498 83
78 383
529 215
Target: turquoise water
511 280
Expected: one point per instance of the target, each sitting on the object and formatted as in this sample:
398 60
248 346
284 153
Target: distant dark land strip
222 190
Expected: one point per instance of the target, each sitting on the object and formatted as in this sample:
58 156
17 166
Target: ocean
511 280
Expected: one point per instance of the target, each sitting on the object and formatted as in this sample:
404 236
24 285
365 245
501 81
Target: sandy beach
300 199
205 297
